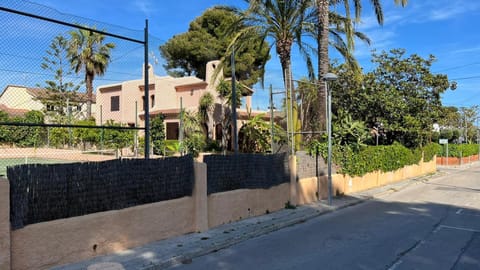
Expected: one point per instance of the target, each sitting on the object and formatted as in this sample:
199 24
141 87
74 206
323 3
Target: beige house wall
104 107
168 92
166 97
190 98
18 98
130 102
165 89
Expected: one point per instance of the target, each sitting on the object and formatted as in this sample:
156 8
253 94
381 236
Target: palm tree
322 7
224 90
205 109
286 22
87 53
283 22
341 37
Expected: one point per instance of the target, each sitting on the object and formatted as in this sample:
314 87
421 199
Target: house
124 102
13 112
17 100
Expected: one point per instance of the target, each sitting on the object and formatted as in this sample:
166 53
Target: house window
79 108
152 101
172 131
50 108
115 103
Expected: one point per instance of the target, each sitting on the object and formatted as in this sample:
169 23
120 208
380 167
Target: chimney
210 71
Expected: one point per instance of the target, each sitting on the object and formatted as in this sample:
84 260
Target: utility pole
271 118
181 134
466 127
147 88
234 103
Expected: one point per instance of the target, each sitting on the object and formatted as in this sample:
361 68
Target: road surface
433 224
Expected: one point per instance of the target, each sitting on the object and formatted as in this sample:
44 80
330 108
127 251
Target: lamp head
330 77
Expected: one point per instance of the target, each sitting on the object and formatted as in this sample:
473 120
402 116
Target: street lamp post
326 78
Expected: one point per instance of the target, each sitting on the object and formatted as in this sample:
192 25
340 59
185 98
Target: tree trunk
284 48
89 86
323 59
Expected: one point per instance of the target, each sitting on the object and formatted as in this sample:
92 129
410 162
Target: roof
38 92
43 93
183 87
13 112
169 113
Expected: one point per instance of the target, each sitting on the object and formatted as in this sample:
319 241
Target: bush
172 147
383 158
458 150
430 150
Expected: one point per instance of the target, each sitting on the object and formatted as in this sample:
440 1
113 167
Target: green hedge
458 150
383 158
430 150
375 158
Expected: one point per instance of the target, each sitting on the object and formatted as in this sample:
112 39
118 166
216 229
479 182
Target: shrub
458 150
383 158
430 150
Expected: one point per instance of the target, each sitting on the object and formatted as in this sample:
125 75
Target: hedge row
374 158
393 157
458 150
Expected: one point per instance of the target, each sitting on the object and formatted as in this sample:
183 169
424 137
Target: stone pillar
200 197
4 224
292 163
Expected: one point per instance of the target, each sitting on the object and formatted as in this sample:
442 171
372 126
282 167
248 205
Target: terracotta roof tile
42 93
13 112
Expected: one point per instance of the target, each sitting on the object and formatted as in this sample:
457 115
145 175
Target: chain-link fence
72 89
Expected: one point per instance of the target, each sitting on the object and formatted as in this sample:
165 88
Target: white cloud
147 7
447 12
468 50
382 39
441 10
370 22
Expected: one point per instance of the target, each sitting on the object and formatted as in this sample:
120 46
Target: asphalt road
429 225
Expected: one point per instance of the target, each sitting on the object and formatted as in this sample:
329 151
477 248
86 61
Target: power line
466 78
457 67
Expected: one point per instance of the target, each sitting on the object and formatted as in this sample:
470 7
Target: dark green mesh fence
251 171
41 192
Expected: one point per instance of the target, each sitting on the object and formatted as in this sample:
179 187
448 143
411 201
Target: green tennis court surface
5 162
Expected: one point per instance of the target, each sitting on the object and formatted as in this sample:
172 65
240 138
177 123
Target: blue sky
444 28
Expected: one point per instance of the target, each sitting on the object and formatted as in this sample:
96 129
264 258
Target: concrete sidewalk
182 249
